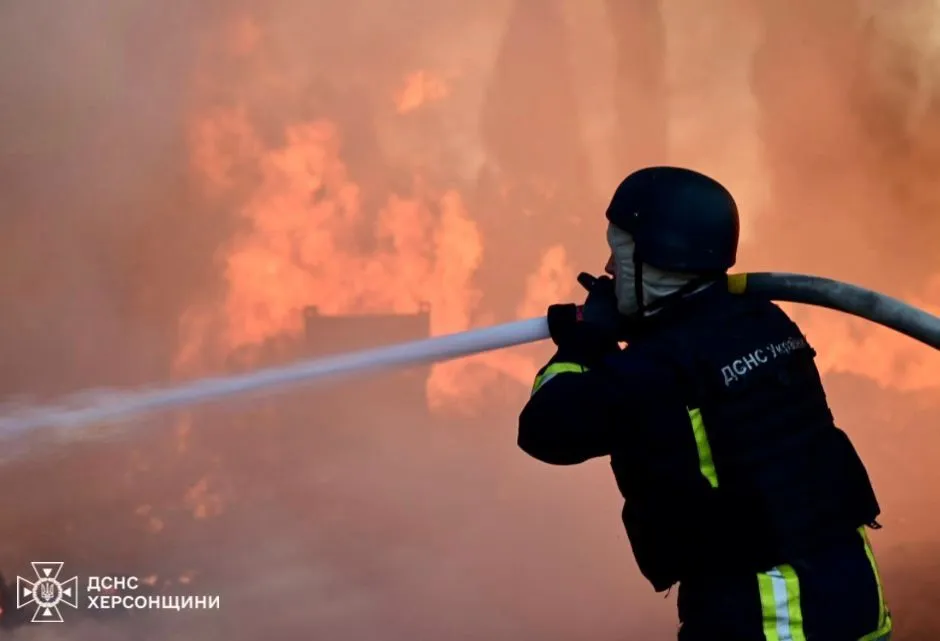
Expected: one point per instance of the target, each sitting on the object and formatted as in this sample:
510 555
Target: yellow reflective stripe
705 462
737 283
884 615
780 604
879 635
554 370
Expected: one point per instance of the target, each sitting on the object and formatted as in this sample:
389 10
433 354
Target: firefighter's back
766 535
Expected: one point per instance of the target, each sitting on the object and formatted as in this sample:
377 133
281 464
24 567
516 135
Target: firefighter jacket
719 434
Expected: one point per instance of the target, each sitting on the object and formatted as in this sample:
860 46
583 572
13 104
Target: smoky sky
381 519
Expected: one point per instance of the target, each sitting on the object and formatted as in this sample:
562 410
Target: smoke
101 244
178 185
837 113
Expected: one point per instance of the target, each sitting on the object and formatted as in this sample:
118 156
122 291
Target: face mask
622 247
657 284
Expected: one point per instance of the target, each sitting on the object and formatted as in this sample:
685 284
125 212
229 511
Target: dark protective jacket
719 435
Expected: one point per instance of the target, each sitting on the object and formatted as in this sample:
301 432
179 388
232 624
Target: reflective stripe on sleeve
883 633
554 370
705 462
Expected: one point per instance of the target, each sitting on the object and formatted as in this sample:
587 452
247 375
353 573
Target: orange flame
552 281
302 228
420 88
306 237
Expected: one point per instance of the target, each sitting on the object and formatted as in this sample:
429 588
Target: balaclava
657 284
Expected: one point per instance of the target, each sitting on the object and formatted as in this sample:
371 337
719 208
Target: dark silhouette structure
639 32
347 333
536 185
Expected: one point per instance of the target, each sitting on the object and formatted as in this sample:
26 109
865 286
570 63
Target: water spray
108 406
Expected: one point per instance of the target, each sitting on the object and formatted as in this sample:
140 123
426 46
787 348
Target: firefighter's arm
570 416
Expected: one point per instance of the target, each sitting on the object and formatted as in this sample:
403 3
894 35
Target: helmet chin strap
638 285
644 310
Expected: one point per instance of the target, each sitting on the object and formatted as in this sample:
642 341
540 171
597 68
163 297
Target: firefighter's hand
600 306
592 328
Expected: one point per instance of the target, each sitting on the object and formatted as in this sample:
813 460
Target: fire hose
112 405
843 297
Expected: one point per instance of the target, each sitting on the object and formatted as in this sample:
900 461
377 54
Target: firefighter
738 485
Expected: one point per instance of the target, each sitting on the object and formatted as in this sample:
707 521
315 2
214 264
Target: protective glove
590 330
600 307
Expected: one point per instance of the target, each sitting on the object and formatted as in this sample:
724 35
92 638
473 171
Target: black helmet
680 220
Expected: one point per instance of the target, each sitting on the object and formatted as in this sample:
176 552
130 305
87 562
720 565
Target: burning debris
368 162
